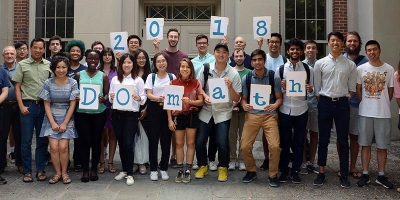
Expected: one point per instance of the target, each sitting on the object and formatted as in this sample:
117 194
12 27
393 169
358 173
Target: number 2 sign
262 27
118 41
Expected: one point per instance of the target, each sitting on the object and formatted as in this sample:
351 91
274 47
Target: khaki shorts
312 122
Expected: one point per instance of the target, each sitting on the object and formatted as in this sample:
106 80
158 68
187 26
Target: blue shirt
354 101
199 61
72 72
274 63
10 73
247 61
4 80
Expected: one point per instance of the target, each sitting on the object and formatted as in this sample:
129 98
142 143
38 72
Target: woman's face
92 60
161 63
75 53
184 69
141 59
107 58
127 66
61 69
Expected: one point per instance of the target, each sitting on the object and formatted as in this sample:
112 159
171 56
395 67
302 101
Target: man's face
311 51
238 57
257 62
9 55
221 54
98 47
133 45
55 46
173 38
239 43
274 44
22 52
335 44
37 50
202 45
373 52
294 52
353 45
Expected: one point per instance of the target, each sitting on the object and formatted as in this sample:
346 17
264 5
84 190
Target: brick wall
340 16
21 20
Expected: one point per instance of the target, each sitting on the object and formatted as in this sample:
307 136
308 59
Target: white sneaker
232 166
129 180
212 166
195 166
164 175
154 175
242 167
120 176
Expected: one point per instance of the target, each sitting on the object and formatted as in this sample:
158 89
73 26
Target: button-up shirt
334 77
297 105
138 88
10 73
31 75
199 61
219 111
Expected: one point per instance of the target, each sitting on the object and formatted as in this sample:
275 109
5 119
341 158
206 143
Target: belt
9 102
334 99
33 101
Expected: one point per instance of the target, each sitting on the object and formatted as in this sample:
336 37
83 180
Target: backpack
206 72
358 59
153 77
305 67
271 80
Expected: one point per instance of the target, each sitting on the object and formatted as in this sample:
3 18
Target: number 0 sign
118 41
154 28
262 27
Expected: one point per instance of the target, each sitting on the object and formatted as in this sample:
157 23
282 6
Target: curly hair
59 57
79 44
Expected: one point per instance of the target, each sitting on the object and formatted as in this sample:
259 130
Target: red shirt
192 88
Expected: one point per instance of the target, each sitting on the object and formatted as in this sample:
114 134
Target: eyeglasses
141 58
161 61
274 42
202 43
23 49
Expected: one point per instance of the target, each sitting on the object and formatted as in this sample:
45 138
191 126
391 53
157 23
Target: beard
170 44
355 51
240 63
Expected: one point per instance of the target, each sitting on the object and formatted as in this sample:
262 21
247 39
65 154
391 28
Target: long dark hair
120 71
107 50
146 66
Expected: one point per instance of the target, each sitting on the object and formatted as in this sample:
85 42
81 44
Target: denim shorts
187 120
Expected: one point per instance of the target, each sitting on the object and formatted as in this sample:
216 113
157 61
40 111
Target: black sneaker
250 176
274 182
319 181
12 157
265 165
295 178
383 180
344 182
284 177
363 181
173 163
178 178
3 180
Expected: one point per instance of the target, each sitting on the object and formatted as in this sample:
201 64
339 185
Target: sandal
66 179
41 176
111 169
101 168
20 169
55 179
27 178
398 189
356 175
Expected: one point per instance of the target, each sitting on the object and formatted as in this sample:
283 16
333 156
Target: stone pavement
208 188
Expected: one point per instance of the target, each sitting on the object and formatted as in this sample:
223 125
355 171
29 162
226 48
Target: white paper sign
173 97
259 96
118 41
154 28
123 97
89 95
262 27
296 83
218 90
218 27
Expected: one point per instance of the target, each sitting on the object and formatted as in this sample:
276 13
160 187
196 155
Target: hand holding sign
296 83
118 41
218 27
122 98
154 28
89 95
262 27
173 97
218 90
259 96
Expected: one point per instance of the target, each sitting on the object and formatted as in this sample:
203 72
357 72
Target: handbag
141 154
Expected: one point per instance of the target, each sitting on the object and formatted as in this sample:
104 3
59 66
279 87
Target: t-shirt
375 82
242 73
159 84
173 60
4 82
72 72
396 85
273 63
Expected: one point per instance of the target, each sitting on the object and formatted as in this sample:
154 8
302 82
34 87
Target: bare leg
354 148
190 138
179 141
63 150
55 155
365 157
313 145
113 145
382 157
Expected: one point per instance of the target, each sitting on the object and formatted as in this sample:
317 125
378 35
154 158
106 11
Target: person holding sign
125 122
59 94
293 114
267 119
90 123
158 125
217 114
186 120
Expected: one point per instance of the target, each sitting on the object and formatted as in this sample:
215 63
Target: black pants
125 125
158 131
90 128
10 116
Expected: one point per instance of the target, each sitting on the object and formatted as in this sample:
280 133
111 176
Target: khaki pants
252 125
237 123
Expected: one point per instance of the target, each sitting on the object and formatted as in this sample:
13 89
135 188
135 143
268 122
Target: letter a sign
89 95
173 97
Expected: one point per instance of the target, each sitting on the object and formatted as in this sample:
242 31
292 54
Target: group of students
50 92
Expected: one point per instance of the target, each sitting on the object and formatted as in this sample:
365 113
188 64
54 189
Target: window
308 20
54 17
180 12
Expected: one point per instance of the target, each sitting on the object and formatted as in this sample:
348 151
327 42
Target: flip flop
27 178
356 175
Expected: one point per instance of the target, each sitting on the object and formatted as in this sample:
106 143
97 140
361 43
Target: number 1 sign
118 41
218 27
262 27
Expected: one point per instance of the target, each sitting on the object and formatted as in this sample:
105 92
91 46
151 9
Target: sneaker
344 182
186 176
12 157
363 181
303 169
232 166
178 178
129 180
284 177
164 175
274 182
383 180
242 167
250 176
313 167
154 175
142 169
195 166
135 168
295 178
3 180
222 174
203 171
120 176
173 163
213 166
319 181
265 165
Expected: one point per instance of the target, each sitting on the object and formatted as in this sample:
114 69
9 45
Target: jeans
221 138
339 111
295 140
11 117
125 125
33 120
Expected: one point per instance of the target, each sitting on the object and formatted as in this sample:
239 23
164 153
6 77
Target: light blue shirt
312 100
274 63
199 61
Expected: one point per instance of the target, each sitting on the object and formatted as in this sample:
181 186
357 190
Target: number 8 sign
262 27
118 41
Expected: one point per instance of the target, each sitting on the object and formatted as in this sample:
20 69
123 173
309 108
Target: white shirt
295 106
273 63
159 84
138 88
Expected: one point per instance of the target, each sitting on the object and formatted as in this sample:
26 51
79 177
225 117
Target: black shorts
187 120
